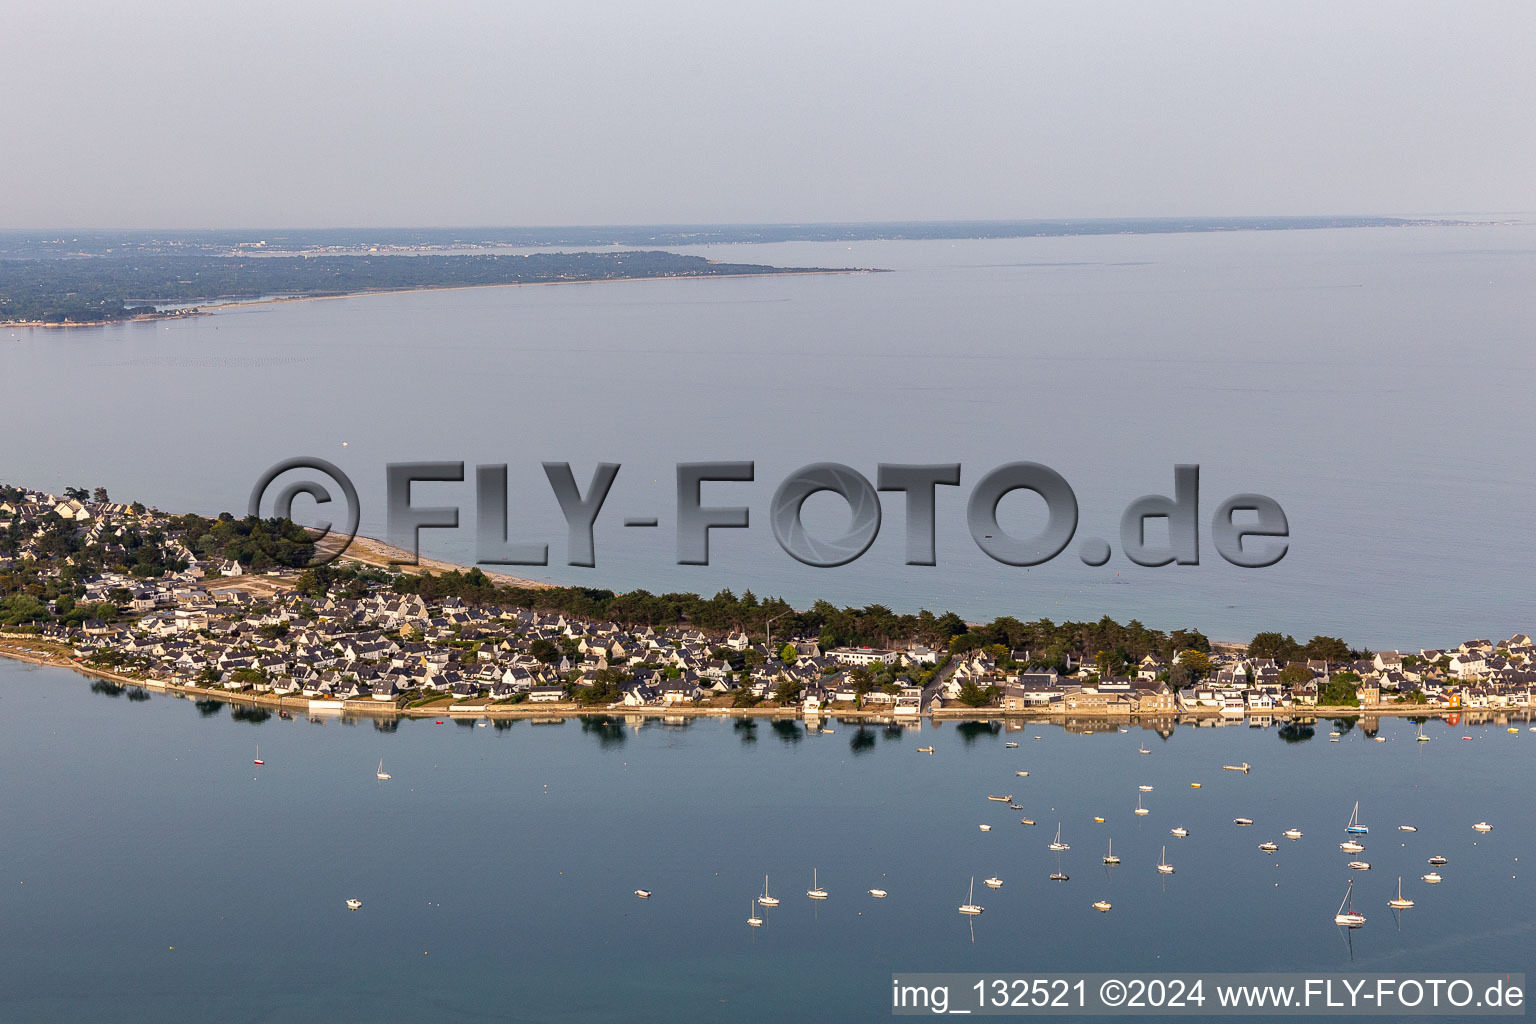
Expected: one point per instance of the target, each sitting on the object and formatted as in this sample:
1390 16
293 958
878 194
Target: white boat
1437 860
879 894
1057 844
1236 767
1110 858
1433 878
1407 828
1102 906
1010 744
1400 903
1143 750
815 892
1057 876
1022 775
1421 738
765 899
1026 821
1163 867
1482 826
993 883
1379 739
1359 865
1002 799
1145 789
1350 917
925 750
1268 846
1354 822
970 906
644 894
754 920
1350 846
1333 737
985 828
1140 810
1242 821
354 904
381 773
1179 831
1292 833
258 755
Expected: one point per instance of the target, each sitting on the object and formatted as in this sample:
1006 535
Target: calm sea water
149 872
1376 382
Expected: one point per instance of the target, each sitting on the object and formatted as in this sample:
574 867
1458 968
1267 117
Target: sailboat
1421 738
765 899
1057 844
1354 822
754 920
993 883
1140 810
1143 750
1350 918
815 892
1400 903
381 773
1110 858
970 906
1163 866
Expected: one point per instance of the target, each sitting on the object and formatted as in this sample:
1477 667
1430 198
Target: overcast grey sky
206 114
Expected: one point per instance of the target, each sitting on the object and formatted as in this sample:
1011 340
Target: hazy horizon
185 116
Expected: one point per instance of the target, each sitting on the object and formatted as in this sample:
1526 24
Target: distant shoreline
218 307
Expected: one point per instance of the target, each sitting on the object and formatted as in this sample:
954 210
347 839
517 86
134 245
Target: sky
294 114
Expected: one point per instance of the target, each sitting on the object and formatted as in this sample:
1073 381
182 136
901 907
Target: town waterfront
150 872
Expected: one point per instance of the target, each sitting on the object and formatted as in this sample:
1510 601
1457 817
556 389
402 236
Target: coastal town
226 609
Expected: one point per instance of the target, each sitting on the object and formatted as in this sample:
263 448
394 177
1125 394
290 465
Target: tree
1339 691
787 654
1327 648
787 691
1273 645
973 696
99 495
545 651
1197 662
1295 674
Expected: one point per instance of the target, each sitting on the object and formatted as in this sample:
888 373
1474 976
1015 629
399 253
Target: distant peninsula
108 287
78 278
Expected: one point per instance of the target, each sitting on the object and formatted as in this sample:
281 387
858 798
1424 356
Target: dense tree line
257 544
117 287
